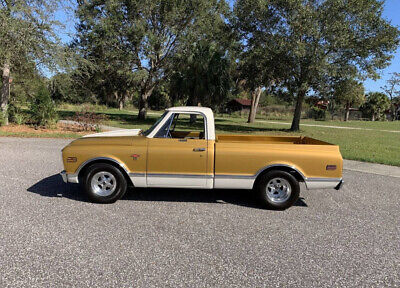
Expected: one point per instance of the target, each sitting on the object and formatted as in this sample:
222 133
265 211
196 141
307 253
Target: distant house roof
244 102
322 104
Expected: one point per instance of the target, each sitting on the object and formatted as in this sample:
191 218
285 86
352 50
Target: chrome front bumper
69 178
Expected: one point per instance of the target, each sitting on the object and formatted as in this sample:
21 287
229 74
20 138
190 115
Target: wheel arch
280 167
117 164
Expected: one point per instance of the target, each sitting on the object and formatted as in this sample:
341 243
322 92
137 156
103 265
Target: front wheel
104 183
278 189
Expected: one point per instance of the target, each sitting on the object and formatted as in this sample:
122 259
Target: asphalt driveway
50 236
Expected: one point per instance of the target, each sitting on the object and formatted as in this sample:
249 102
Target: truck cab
180 149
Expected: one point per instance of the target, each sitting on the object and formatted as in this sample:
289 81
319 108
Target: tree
260 63
26 81
375 105
392 90
349 93
42 107
203 76
144 35
329 37
26 33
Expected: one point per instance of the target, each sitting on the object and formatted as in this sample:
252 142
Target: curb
372 168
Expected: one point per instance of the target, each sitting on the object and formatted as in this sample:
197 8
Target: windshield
148 131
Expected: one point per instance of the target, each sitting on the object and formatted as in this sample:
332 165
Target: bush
12 110
1 118
317 113
42 108
375 106
19 118
16 115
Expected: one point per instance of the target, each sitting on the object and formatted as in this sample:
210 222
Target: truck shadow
53 186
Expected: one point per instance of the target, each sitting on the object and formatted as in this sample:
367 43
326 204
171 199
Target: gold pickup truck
181 150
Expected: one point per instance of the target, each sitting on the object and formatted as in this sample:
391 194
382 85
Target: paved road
50 236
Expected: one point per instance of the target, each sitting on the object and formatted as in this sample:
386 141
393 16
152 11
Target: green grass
379 125
368 146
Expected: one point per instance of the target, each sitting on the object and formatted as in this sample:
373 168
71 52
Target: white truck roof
191 109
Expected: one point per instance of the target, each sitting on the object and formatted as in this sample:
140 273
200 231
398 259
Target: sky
391 13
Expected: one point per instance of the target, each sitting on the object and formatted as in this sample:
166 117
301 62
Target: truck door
177 155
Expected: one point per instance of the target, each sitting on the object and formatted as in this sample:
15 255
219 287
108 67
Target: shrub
12 110
316 113
19 118
1 118
375 106
42 108
16 115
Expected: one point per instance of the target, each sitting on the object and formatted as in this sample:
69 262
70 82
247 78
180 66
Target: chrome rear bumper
69 178
324 183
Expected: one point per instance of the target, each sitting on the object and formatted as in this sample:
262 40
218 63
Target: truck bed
269 139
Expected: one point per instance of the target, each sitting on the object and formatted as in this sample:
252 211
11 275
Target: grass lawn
379 125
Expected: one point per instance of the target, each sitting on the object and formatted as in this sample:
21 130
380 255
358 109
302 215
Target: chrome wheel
103 183
278 190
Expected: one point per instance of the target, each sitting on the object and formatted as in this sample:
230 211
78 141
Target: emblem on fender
135 156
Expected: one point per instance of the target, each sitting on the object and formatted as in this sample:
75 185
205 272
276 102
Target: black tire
117 182
268 198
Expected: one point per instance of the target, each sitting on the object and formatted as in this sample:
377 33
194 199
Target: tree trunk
393 109
120 98
346 116
297 111
373 116
5 93
193 117
255 98
143 103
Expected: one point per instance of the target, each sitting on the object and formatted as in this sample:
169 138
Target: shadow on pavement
53 186
246 198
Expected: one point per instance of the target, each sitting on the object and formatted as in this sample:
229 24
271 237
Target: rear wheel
104 183
278 189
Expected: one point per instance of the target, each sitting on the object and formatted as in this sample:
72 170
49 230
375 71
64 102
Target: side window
183 126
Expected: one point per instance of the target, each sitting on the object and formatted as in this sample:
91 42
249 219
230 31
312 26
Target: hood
116 133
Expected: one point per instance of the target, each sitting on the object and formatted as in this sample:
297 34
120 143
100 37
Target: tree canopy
375 105
27 36
349 93
321 39
139 39
200 51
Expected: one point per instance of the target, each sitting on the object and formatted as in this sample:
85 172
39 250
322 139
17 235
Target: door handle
199 149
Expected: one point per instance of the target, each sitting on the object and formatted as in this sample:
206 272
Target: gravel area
50 236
